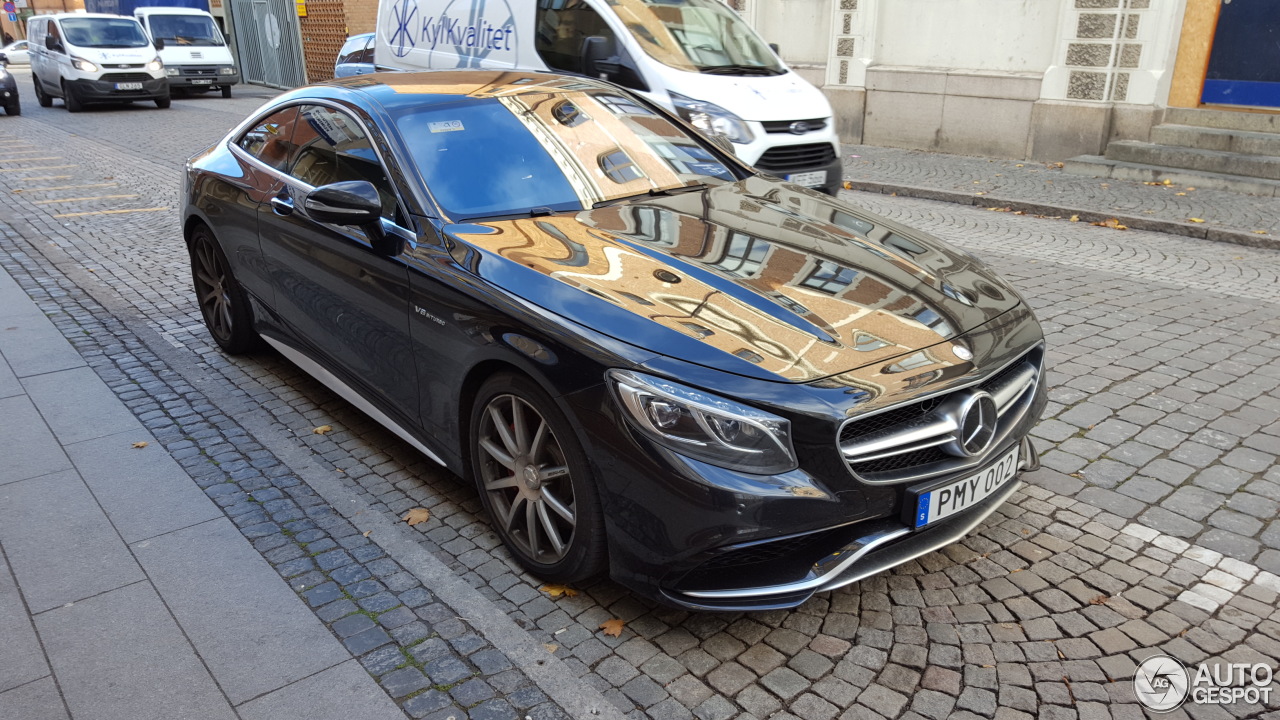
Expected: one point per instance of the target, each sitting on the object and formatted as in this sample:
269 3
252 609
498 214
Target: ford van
89 58
195 54
696 57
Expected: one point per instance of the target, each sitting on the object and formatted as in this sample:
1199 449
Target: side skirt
349 394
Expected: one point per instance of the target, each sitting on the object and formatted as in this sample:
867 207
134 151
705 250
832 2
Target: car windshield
697 35
195 30
99 32
523 152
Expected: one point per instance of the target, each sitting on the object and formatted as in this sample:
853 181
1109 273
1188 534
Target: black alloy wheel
535 481
41 98
223 303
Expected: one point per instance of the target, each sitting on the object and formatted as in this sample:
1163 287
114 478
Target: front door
1244 65
346 303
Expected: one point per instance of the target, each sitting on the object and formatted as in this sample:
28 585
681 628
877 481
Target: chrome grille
916 441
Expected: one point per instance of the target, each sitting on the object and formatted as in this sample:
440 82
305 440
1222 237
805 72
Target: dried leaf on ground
847 185
1099 600
417 515
1259 232
1181 194
556 591
1113 223
323 430
1075 218
141 444
1195 220
366 533
613 628
551 647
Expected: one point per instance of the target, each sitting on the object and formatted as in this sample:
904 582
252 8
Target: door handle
282 205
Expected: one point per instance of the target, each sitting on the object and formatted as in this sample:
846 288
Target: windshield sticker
446 126
324 125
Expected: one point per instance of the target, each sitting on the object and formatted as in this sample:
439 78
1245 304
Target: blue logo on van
402 29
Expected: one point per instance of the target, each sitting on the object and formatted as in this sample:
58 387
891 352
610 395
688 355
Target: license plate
204 81
129 86
958 496
809 179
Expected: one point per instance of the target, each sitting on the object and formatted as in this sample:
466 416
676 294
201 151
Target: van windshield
194 30
698 36
99 32
542 152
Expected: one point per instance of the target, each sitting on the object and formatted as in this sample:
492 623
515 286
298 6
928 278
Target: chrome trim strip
834 578
348 393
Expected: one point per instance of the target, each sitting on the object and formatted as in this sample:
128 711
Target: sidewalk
1037 188
125 592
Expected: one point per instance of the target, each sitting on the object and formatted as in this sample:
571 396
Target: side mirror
159 43
354 203
51 43
599 58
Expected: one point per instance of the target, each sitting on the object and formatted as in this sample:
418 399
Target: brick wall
324 29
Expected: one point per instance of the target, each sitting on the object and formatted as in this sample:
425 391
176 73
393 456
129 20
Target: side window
562 26
271 139
351 51
367 55
332 147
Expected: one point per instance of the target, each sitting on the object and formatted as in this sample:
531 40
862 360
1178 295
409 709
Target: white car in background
15 54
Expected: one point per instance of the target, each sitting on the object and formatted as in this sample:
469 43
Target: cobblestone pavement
1152 525
993 182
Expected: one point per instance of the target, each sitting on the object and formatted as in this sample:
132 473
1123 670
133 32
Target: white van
696 57
89 58
194 52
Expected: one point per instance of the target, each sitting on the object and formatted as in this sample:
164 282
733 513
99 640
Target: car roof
405 89
160 10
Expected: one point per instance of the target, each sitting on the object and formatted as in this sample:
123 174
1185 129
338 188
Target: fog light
227 71
171 71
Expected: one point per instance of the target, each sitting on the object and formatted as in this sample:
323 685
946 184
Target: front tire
534 479
13 108
223 302
41 98
226 91
164 102
70 99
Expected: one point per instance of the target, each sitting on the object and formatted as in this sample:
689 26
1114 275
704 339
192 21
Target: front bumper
91 91
204 76
879 546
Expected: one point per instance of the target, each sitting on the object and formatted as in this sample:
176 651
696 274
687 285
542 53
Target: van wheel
44 100
226 91
70 99
164 102
13 108
535 481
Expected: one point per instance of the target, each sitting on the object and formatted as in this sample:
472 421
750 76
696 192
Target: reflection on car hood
757 278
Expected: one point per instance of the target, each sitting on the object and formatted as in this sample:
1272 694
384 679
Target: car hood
758 278
762 99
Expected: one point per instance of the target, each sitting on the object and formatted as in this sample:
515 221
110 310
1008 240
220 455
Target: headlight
154 65
713 119
704 426
83 65
227 71
172 71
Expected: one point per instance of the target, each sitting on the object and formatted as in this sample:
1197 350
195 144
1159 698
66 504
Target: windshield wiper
738 70
654 192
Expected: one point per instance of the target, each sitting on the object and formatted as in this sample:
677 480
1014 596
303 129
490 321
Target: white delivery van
88 58
696 57
194 52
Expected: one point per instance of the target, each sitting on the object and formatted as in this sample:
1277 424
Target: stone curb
1192 230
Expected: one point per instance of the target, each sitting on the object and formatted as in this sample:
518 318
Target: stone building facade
1043 79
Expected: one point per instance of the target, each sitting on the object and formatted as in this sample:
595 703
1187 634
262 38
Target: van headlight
83 65
227 71
155 65
172 71
706 427
712 119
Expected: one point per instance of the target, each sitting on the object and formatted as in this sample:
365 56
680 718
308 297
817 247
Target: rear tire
164 102
535 481
223 303
41 98
226 91
70 99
